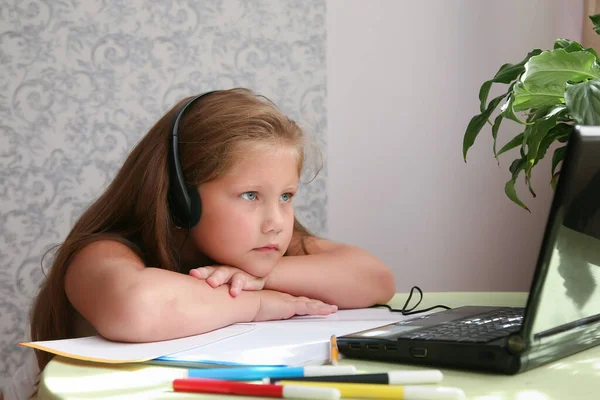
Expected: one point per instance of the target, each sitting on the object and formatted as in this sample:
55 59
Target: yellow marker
334 354
376 391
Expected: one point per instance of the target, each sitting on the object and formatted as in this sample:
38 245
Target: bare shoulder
104 253
98 267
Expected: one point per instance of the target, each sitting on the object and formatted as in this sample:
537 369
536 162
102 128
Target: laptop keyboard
481 328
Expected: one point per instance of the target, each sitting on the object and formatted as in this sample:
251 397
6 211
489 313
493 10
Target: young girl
197 231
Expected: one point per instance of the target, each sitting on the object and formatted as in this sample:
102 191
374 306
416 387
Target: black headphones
184 201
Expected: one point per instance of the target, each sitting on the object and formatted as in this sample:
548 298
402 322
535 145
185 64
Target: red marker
203 385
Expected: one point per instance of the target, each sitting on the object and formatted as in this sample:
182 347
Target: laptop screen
567 281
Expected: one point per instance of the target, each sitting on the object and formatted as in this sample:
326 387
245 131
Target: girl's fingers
221 276
202 272
238 282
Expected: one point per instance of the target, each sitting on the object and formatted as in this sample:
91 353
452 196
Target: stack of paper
98 349
297 341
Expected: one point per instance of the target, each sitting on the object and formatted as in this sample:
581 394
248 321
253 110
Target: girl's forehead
276 154
263 165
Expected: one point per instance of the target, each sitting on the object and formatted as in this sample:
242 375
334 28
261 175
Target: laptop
562 313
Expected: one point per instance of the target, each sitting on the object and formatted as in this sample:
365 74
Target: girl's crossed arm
126 301
335 273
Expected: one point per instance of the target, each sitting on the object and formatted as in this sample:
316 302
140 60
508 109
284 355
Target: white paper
302 340
96 348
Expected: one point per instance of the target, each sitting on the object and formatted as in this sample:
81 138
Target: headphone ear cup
195 205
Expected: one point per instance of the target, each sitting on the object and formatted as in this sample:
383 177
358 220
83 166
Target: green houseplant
549 92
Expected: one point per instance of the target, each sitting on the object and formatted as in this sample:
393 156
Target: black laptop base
401 342
492 357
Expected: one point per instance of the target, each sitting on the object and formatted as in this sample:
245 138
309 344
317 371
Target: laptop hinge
516 344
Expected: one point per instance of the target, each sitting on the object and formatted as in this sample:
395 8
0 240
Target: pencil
334 354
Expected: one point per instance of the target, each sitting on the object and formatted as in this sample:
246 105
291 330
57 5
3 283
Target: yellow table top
574 377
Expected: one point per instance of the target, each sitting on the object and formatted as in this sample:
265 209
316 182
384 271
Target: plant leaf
557 67
547 112
534 137
538 96
509 188
517 140
583 101
567 44
556 110
506 74
558 132
484 91
571 46
508 111
557 157
495 129
476 123
516 166
525 142
596 21
510 191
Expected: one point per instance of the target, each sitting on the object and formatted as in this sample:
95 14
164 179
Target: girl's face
247 215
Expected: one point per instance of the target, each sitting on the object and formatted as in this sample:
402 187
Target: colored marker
417 377
217 386
258 373
367 391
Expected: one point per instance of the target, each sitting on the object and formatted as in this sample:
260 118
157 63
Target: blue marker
258 373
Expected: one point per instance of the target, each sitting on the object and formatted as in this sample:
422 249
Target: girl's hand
277 305
238 280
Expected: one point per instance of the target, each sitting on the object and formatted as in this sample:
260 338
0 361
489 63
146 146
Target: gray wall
81 82
403 79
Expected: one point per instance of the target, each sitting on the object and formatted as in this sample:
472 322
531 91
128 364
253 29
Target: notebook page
301 340
98 349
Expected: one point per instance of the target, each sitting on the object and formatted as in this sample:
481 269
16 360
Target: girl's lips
267 249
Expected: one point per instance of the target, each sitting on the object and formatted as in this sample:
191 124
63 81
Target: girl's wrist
251 304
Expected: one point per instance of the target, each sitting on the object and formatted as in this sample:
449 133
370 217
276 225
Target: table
574 377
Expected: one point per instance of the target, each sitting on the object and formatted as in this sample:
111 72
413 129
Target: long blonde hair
135 203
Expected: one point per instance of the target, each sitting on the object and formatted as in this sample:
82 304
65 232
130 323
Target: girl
197 231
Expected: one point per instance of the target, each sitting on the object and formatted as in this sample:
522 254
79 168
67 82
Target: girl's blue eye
286 197
251 196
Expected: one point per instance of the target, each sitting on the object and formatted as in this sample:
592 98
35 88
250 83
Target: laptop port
354 346
372 347
418 352
390 347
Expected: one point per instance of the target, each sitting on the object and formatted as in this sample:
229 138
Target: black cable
411 311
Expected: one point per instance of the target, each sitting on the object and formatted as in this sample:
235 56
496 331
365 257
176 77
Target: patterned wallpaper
82 81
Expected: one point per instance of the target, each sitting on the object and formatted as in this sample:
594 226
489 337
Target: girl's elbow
377 286
133 320
385 284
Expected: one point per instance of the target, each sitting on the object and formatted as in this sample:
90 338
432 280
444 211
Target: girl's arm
126 301
335 273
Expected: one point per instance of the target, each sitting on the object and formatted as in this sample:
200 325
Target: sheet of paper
301 340
98 349
297 341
